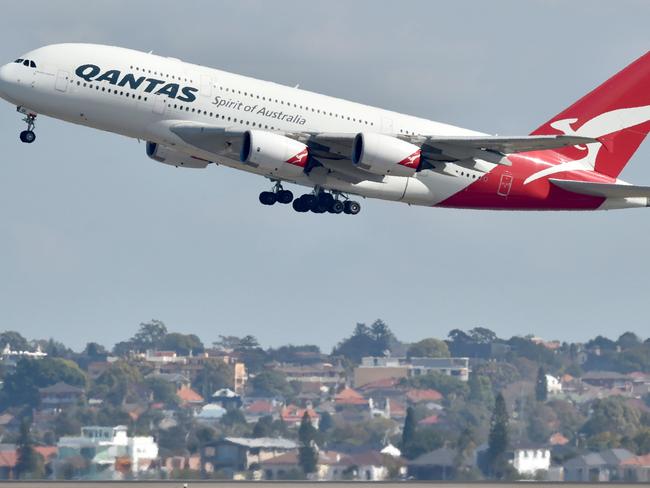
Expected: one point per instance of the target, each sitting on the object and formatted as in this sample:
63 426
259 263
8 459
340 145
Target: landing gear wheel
351 207
27 136
300 205
267 198
284 196
336 207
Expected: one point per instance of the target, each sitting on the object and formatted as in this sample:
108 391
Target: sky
96 238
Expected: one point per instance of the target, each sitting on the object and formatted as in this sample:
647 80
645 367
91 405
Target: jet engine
167 155
385 155
276 154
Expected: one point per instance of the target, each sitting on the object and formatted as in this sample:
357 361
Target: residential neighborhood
467 406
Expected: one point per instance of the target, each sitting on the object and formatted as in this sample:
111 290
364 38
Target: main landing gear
278 195
318 202
322 202
28 136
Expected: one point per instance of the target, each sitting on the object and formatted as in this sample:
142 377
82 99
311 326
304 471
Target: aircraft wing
606 190
493 149
333 150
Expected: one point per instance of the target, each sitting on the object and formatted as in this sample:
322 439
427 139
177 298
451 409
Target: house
325 374
530 460
292 416
331 466
456 367
9 458
430 420
368 466
188 397
227 398
60 395
608 379
259 408
553 385
435 465
415 396
558 439
210 414
348 397
635 469
182 463
233 454
596 466
373 369
108 448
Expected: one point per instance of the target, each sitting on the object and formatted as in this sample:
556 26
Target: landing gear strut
28 136
279 195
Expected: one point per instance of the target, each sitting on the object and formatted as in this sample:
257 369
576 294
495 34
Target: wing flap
605 190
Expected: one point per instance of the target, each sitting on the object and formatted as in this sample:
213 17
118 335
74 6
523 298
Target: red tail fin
617 113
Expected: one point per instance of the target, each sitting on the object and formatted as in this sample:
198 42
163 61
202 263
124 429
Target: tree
497 462
271 383
95 350
149 335
117 382
628 340
215 375
428 348
408 432
326 422
163 391
21 386
612 414
366 341
480 389
445 384
541 386
29 464
182 344
482 335
14 340
307 453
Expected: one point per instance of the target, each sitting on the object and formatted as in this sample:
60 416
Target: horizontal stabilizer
605 190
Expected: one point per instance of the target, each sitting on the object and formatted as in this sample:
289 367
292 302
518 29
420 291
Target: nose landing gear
28 136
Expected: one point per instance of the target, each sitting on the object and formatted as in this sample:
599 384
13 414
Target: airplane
192 116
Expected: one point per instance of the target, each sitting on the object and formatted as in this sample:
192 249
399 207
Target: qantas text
91 72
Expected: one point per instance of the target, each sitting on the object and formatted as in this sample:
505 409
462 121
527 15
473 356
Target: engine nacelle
277 155
167 155
385 155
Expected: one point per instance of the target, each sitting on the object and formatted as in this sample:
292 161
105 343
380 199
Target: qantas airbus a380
193 116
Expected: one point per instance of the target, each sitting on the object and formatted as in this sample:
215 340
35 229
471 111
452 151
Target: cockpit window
19 61
26 63
32 64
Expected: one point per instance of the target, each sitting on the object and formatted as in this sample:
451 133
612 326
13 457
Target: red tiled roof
8 459
348 396
381 383
637 461
292 413
558 439
188 395
430 420
47 451
417 396
260 406
291 458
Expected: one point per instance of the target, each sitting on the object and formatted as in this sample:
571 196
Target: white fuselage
101 98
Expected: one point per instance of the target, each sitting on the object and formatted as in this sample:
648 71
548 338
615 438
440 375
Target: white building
529 460
553 385
105 446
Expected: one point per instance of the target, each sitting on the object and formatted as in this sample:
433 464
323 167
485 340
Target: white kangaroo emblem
601 125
